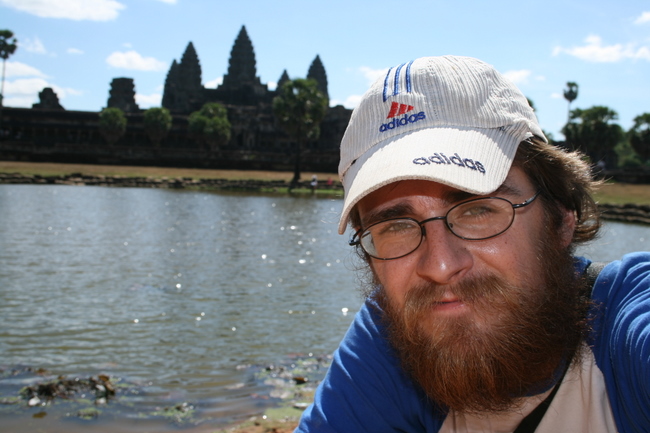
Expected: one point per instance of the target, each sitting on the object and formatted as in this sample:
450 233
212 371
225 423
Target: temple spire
317 72
241 67
283 79
183 87
190 71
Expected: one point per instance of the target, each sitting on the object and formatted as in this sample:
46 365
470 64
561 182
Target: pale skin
445 259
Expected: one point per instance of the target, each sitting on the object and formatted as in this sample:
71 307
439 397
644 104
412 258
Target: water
182 295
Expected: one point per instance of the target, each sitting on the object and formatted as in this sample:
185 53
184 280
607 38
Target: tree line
594 131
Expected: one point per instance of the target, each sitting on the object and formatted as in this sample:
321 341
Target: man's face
473 320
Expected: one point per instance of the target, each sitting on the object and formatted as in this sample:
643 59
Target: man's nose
443 257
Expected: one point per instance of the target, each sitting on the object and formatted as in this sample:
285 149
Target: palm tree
157 123
7 48
570 94
299 108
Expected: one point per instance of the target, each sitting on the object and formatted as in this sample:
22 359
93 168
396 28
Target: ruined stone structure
122 95
48 100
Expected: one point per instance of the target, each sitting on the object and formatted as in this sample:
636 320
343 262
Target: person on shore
477 315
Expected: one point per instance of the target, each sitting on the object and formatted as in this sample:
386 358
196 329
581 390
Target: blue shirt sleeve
621 341
365 390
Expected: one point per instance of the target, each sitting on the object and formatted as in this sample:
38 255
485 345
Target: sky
78 46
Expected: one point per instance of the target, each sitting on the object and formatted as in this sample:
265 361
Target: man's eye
477 211
396 227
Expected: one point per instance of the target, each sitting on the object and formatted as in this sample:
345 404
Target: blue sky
78 46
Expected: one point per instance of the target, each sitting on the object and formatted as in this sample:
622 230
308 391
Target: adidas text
402 121
441 158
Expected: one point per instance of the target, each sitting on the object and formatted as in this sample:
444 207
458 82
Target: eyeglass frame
355 240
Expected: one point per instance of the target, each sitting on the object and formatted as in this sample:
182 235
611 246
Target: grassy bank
611 192
55 169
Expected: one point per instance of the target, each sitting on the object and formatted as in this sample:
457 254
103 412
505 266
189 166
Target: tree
210 125
299 109
157 123
8 45
570 94
639 136
593 132
112 124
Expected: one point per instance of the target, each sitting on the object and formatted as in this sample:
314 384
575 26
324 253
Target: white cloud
518 77
33 46
134 60
18 69
372 74
350 102
148 101
78 10
74 51
644 18
214 83
272 85
595 51
23 92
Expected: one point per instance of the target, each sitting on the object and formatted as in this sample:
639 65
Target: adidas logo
397 109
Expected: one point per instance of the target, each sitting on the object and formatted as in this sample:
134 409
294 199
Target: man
478 317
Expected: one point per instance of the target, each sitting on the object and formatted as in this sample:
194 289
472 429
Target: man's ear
568 227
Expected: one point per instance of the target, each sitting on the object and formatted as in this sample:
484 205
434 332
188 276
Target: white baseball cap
452 120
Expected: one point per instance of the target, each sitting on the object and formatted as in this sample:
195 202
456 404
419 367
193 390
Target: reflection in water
173 290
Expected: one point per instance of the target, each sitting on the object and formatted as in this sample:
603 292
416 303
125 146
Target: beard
510 346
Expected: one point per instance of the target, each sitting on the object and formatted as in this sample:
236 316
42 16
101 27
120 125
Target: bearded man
478 317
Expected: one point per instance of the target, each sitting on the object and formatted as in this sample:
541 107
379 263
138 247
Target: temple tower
122 95
48 100
241 66
317 72
183 88
283 79
171 91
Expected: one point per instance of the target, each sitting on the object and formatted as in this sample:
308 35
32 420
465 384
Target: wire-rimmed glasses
474 220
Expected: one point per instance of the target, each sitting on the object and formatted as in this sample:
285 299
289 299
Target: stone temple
48 132
241 86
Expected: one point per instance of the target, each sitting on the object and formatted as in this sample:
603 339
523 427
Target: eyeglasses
473 220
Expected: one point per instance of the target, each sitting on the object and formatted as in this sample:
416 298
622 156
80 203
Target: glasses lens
392 238
481 218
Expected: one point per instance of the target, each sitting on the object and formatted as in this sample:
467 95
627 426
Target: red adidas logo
397 109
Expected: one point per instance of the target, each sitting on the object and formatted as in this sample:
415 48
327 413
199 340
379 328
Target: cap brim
472 160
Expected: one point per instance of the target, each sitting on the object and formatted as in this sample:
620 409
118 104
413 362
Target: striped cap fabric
452 120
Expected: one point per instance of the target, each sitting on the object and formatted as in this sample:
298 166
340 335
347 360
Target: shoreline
627 212
333 188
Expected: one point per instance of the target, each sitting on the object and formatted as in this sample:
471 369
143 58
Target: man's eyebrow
399 210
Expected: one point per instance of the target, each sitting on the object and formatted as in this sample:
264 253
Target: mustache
472 291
